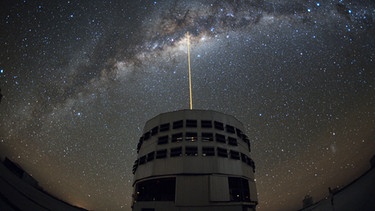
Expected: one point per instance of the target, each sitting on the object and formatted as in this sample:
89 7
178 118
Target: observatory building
194 160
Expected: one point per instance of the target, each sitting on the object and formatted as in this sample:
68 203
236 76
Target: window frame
163 140
218 125
191 123
235 155
207 136
177 137
191 151
232 141
150 156
206 123
178 124
191 136
208 151
239 190
176 152
164 127
154 130
161 153
230 129
222 152
220 138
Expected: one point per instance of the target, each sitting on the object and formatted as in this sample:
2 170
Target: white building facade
194 160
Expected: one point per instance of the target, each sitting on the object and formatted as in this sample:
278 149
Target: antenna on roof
189 71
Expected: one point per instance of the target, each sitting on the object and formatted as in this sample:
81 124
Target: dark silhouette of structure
20 191
307 201
358 195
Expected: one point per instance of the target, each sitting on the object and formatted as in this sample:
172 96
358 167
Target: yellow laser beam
189 71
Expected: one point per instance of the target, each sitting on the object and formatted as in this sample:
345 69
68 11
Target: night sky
81 78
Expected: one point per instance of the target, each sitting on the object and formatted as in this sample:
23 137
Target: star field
80 79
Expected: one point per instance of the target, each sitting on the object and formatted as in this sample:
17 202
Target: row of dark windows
193 136
191 123
164 189
193 151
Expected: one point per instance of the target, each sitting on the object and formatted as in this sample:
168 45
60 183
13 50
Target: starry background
80 79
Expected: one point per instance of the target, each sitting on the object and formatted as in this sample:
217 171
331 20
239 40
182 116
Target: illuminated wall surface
194 159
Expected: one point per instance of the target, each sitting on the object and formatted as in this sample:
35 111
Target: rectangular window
154 131
178 124
247 141
232 141
244 137
177 137
206 124
150 156
142 160
191 136
161 189
135 166
161 154
176 152
207 136
219 125
229 129
220 138
139 145
221 152
146 136
244 158
251 163
163 140
164 127
239 133
208 151
191 123
238 189
234 155
248 160
191 151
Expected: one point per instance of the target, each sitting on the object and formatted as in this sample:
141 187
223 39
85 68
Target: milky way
80 79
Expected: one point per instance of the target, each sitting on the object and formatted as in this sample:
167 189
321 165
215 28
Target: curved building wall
194 158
